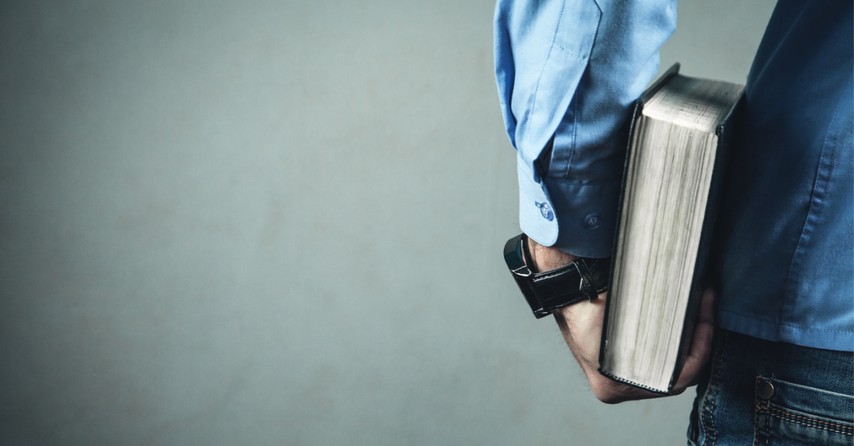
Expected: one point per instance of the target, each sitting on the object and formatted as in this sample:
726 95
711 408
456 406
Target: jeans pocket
792 414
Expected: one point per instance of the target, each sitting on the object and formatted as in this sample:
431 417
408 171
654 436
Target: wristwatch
547 291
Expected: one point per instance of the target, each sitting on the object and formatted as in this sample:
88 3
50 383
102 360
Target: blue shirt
568 73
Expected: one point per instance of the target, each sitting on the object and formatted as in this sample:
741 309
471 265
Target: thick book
670 192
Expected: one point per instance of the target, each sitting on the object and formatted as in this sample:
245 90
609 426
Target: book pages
667 185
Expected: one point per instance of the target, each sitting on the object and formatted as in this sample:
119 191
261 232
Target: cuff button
592 221
545 210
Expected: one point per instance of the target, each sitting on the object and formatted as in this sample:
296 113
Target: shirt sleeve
568 73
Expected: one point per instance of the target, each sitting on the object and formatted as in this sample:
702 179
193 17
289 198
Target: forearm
568 73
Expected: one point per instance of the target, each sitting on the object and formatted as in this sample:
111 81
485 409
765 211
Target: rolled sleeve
568 73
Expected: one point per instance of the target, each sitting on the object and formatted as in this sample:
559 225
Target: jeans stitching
707 417
811 422
767 429
761 420
725 394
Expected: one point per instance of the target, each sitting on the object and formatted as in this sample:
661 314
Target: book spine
636 384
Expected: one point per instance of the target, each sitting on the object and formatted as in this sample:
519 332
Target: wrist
547 258
553 279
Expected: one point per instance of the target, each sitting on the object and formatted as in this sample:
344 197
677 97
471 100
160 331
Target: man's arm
581 326
568 73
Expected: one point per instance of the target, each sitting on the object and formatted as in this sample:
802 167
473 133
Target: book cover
671 184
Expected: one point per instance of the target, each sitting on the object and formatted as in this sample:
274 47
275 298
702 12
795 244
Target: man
783 271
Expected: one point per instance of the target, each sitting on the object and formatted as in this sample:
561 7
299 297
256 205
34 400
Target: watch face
514 256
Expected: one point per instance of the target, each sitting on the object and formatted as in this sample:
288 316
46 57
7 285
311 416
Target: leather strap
549 290
580 280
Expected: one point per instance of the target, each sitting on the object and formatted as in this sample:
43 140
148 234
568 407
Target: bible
670 186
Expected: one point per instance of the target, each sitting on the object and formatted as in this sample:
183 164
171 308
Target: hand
581 326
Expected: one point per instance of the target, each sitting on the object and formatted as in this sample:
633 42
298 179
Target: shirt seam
784 324
574 105
545 63
819 190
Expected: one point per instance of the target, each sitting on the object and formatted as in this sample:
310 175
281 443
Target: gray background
280 222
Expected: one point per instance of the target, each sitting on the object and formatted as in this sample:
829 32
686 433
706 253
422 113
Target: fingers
701 346
707 308
581 326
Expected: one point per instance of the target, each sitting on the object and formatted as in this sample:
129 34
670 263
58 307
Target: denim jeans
766 393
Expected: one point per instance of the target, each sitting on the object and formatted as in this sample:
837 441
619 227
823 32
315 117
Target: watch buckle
584 282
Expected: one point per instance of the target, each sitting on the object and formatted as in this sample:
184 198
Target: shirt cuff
576 217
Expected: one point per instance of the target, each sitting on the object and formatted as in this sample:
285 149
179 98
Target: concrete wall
280 222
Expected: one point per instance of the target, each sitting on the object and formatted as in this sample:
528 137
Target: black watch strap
546 291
